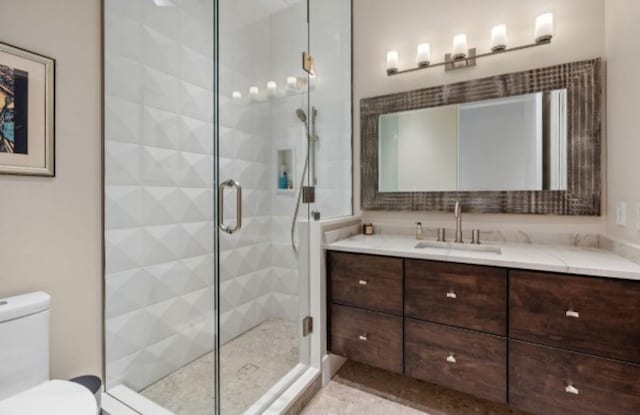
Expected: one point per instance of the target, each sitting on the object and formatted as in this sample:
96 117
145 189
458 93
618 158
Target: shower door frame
216 225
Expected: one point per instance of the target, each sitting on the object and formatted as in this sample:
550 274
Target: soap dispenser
283 180
419 232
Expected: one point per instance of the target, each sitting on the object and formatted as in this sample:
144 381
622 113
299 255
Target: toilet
25 387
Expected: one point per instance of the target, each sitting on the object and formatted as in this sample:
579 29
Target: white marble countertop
552 258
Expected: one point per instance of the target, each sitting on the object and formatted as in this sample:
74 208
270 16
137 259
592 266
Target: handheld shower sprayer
311 138
302 116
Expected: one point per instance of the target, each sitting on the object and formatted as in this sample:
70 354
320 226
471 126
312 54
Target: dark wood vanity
545 343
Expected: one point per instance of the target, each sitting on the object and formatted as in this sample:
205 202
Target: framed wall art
27 112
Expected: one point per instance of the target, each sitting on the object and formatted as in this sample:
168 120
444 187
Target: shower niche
285 173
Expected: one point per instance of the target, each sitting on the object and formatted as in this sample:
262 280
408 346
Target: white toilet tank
24 342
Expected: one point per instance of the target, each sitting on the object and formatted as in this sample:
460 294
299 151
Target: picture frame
27 112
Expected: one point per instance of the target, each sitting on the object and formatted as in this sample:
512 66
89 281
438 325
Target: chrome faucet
457 213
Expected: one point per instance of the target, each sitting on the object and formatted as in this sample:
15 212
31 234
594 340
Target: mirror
512 143
524 142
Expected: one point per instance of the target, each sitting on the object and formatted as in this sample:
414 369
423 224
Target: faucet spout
457 213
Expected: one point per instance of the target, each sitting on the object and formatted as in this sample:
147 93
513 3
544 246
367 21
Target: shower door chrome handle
238 226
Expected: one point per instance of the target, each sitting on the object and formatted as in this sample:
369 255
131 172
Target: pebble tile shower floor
250 364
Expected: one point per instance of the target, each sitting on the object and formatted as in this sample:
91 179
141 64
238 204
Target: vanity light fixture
293 85
461 56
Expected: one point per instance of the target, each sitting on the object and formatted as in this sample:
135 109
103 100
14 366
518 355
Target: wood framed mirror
527 142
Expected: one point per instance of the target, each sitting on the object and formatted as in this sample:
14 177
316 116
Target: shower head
302 116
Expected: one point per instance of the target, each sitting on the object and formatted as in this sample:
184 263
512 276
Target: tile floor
358 389
250 364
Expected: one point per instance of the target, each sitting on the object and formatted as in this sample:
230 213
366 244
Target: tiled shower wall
159 188
159 172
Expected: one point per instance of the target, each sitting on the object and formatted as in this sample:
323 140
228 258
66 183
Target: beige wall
50 228
381 25
623 104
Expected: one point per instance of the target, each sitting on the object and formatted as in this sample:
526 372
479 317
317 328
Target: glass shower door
263 145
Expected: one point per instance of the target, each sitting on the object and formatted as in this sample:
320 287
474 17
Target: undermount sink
459 247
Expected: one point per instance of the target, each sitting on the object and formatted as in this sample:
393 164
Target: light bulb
292 82
423 57
272 87
392 61
498 37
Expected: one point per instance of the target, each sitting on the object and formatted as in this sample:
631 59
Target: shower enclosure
212 130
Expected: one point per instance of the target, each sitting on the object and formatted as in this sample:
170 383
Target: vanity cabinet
366 309
368 282
550 381
367 337
468 296
591 315
460 359
546 343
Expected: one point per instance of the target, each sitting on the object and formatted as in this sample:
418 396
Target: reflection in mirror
513 143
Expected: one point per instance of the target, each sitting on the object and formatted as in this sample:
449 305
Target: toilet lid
55 397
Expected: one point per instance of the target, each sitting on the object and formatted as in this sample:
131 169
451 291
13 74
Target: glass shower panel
263 141
159 181
330 95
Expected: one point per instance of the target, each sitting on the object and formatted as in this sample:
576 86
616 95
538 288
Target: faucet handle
457 212
475 236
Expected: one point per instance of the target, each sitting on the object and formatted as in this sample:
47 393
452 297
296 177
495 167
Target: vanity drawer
460 359
468 296
367 337
548 381
591 315
367 281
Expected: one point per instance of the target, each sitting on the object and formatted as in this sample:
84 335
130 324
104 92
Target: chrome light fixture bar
461 56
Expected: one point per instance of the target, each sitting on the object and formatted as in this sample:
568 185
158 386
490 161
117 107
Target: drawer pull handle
362 282
573 314
572 389
363 337
451 359
451 294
